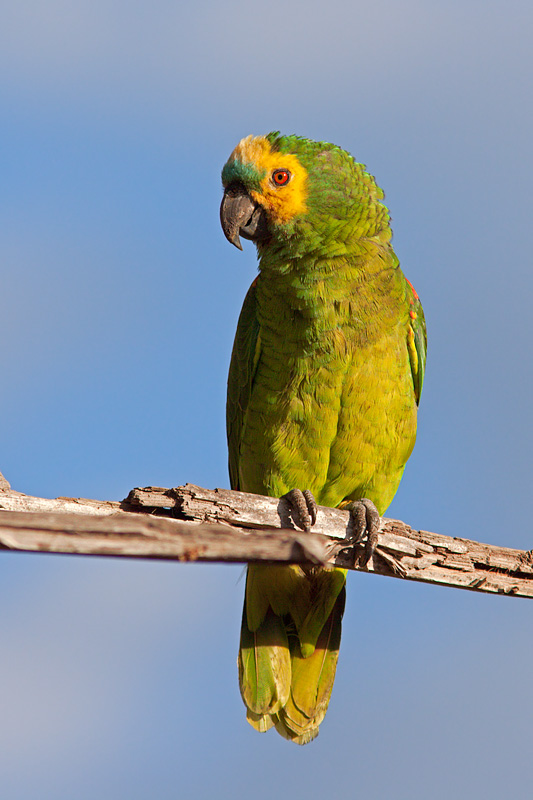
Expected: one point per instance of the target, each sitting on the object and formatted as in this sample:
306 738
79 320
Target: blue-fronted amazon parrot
324 384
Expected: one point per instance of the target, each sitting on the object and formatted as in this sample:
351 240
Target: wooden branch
140 535
194 524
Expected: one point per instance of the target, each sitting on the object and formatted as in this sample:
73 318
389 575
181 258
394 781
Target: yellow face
284 188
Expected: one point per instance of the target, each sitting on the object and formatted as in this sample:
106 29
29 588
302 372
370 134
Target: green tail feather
312 681
264 666
261 722
284 682
325 587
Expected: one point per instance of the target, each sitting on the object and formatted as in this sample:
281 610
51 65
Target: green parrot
323 388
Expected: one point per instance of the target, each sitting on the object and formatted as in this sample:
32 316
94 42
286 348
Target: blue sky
119 303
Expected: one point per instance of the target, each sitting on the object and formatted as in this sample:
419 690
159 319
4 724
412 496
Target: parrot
323 389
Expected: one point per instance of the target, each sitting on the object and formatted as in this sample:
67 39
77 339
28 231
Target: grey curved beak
240 215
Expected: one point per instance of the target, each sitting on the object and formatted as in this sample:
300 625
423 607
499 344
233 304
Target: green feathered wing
416 340
244 358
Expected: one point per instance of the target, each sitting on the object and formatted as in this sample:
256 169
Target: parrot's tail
282 688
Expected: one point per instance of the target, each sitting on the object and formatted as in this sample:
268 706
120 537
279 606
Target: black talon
365 520
311 505
303 508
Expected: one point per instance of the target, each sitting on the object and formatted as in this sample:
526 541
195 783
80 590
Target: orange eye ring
281 177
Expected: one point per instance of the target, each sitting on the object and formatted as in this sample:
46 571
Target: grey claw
303 507
311 505
365 521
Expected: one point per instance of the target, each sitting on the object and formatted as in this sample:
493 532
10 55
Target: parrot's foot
303 508
365 520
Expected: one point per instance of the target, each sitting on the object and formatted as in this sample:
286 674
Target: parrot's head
296 195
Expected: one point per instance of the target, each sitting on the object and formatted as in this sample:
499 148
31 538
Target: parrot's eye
281 177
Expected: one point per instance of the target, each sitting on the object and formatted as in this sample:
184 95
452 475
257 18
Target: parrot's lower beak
240 215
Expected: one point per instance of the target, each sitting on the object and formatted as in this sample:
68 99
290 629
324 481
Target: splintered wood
189 523
402 552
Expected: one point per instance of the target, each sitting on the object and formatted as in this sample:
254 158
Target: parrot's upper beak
241 215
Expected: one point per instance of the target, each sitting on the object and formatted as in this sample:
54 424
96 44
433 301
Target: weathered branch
194 524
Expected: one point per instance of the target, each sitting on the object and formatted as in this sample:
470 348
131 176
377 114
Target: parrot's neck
309 301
